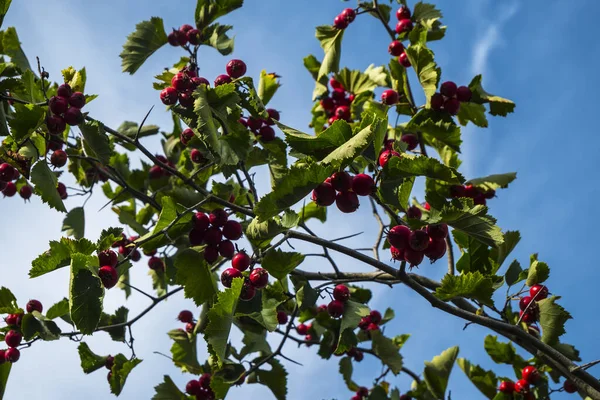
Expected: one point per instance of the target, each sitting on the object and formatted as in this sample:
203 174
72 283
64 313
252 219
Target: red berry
568 386
413 257
185 316
347 202
324 194
327 104
186 28
418 240
136 255
77 100
13 338
524 302
302 329
448 89
458 191
108 257
398 236
228 275
226 249
218 217
62 190
396 48
341 181
338 94
196 156
7 172
341 293
168 96
34 305
404 25
437 231
64 90
414 212
201 221
389 97
435 249
213 236
335 308
437 101
348 14
282 317
181 82
411 141
363 184
538 292
241 261
373 327
254 123
273 116
232 230
375 317
193 387
109 276
172 39
506 387
266 133
339 22
385 156
403 60
12 355
58 158
10 189
403 13
343 112
463 94
236 68
156 264
186 136
205 380
364 322
222 80
452 106
522 386
73 116
259 278
528 317
530 374
109 362
397 254
186 99
56 124
335 84
194 37
58 105
248 291
181 38
198 80
489 194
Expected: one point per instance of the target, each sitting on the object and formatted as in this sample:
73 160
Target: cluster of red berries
108 364
404 25
65 109
304 329
14 337
341 294
156 171
187 318
528 304
183 84
257 279
184 35
449 97
345 18
262 128
412 246
201 388
370 322
361 393
478 195
388 151
348 189
529 376
185 137
8 174
217 232
337 104
396 49
108 260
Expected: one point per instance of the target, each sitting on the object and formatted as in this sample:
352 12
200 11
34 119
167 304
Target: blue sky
541 54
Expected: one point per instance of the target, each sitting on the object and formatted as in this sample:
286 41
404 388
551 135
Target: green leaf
4 5
475 255
35 324
472 112
11 46
96 141
170 211
502 353
267 86
217 38
261 233
279 263
436 127
58 310
130 129
538 272
387 351
498 105
193 273
184 351
306 296
119 317
85 295
346 153
378 393
74 223
168 390
437 372
4 373
568 350
148 37
220 318
8 302
513 273
312 210
472 285
59 255
27 118
330 39
75 79
408 166
299 181
552 319
423 12
90 361
493 181
120 371
357 82
422 61
275 379
45 185
208 11
319 146
485 381
353 312
499 254
254 343
346 372
108 237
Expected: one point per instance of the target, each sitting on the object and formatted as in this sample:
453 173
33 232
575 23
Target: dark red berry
248 291
452 106
194 37
58 158
186 99
169 96
211 254
181 37
530 374
569 387
343 112
335 308
375 317
205 380
335 84
185 316
193 387
222 80
506 387
196 156
413 257
524 302
282 317
404 25
397 254
396 48
199 80
463 94
56 124
373 327
201 221
136 255
54 145
436 249
273 116
414 212
25 192
13 338
156 264
109 362
437 231
232 230
538 292
341 181
338 94
403 13
62 190
34 305
259 277
386 155
389 97
236 68
458 191
241 261
7 172
522 386
418 240
489 194
411 141
77 100
527 317
12 355
403 60
64 90
327 103
226 249
109 276
437 101
302 329
339 22
213 236
218 217
398 236
348 14
108 257
73 116
58 105
324 194
266 133
448 89
196 237
363 184
10 189
341 293
347 202
254 123
172 39
228 275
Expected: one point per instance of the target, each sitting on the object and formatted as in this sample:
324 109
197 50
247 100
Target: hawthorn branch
242 167
450 251
325 250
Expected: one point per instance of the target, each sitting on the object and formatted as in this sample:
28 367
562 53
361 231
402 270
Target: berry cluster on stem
413 245
343 189
217 232
449 97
